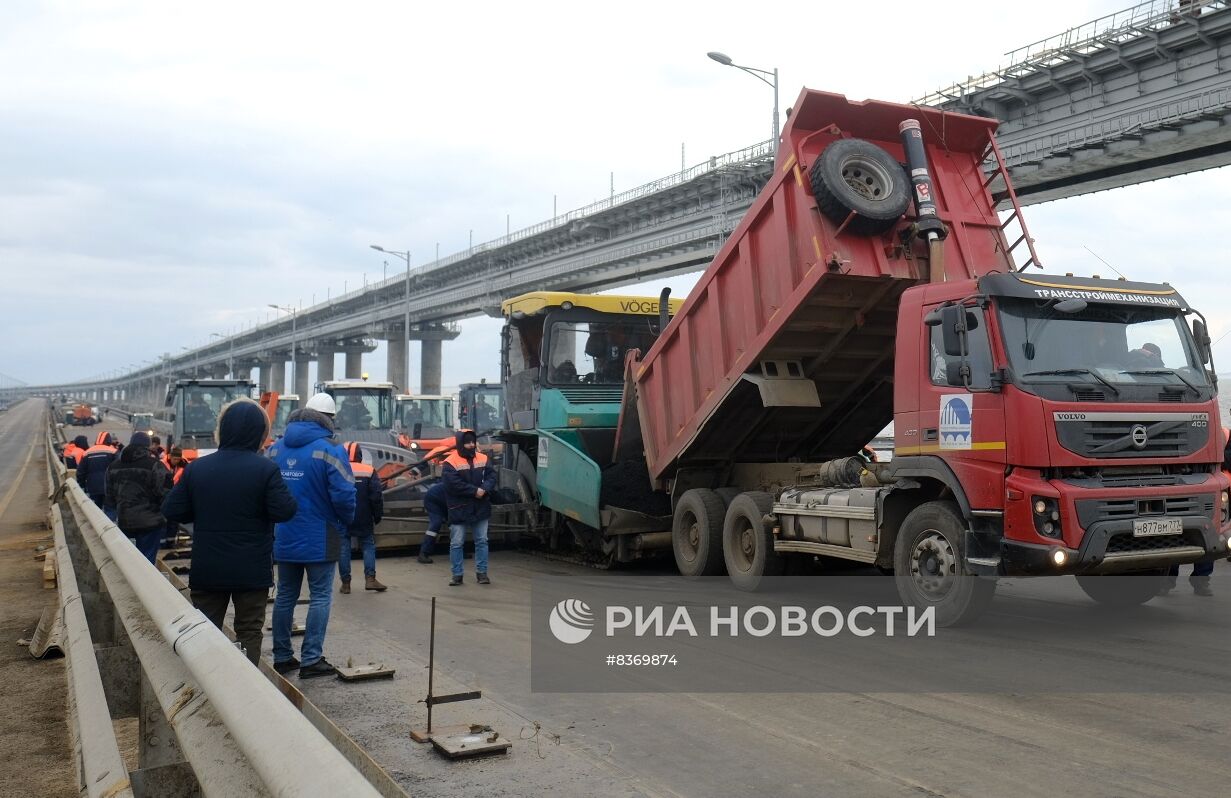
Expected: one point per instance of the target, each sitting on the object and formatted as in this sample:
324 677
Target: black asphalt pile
627 485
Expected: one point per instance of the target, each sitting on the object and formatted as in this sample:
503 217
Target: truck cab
424 421
480 406
143 422
194 406
365 409
287 403
1074 420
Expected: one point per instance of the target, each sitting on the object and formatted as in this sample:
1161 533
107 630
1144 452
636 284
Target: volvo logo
1139 436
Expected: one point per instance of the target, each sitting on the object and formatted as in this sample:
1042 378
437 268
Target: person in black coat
233 498
136 484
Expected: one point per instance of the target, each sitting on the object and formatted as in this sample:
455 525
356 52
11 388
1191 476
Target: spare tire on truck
856 176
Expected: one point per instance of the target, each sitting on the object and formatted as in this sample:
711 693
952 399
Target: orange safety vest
73 452
460 463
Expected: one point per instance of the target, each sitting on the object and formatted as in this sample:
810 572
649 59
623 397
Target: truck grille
1126 543
1091 511
1120 435
593 393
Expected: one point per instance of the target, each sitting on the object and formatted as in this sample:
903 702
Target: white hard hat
323 403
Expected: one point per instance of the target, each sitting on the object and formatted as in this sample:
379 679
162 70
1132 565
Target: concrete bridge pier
303 386
354 361
429 366
397 364
276 379
325 358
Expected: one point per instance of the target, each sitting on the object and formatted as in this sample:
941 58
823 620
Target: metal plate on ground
362 673
49 634
467 742
296 628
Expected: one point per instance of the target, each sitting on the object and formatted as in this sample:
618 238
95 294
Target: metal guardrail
209 719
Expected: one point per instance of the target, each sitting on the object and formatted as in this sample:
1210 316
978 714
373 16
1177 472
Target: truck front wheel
747 544
696 533
927 566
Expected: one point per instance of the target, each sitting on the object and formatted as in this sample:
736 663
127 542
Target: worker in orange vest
369 509
469 481
92 470
74 449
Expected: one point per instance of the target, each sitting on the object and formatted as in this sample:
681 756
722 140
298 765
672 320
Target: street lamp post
759 74
294 362
230 353
194 361
406 315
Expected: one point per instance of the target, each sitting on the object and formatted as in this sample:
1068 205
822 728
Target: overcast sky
167 170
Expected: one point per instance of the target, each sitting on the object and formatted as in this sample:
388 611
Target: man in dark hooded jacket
469 481
233 498
318 473
136 485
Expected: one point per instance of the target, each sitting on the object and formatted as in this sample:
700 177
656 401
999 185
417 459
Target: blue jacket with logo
315 469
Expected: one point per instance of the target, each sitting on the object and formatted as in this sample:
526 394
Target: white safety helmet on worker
322 403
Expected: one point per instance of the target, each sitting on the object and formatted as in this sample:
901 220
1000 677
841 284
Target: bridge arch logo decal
956 421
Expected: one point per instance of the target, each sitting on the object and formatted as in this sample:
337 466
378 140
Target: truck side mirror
1202 337
953 327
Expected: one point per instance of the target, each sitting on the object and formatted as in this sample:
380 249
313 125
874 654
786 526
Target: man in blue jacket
315 468
469 481
233 498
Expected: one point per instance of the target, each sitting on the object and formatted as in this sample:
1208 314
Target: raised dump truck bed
785 348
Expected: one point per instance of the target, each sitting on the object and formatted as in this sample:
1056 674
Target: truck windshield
362 409
485 410
431 413
593 352
283 414
1106 345
203 403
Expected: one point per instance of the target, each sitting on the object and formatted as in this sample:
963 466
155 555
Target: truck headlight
1046 517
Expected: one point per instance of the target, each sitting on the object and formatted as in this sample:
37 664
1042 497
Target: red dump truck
1043 424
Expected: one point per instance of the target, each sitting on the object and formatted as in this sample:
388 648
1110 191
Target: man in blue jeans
315 469
468 481
369 509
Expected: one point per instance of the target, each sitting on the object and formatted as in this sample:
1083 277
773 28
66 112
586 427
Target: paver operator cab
194 406
1043 424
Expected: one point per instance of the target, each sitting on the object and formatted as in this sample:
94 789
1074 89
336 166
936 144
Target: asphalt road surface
852 743
842 742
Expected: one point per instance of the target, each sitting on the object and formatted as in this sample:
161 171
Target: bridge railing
1083 39
209 721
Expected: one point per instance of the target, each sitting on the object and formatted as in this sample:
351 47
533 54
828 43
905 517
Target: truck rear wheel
696 533
1122 590
927 566
727 495
856 176
747 543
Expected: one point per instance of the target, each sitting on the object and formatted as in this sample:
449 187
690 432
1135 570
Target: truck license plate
1145 527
